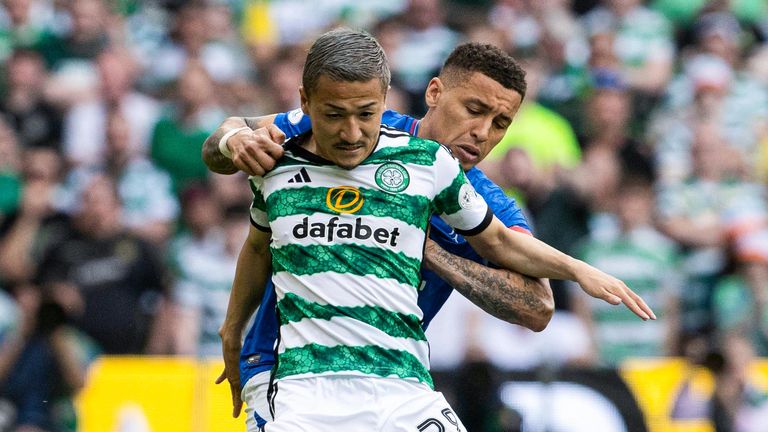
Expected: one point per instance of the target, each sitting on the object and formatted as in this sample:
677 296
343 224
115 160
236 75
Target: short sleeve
504 207
456 201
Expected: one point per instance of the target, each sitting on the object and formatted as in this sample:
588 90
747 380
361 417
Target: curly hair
487 59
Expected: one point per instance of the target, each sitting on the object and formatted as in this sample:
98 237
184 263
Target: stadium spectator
10 167
23 24
426 40
37 223
738 403
642 41
647 261
282 75
150 207
41 366
694 213
203 260
108 281
37 122
547 138
86 120
178 137
194 41
84 40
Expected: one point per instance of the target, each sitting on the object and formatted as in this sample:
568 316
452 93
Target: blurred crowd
641 148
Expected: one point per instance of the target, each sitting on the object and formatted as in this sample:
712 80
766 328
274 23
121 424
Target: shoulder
505 207
399 121
397 146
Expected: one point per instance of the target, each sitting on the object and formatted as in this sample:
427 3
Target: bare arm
507 295
253 267
16 263
71 366
251 152
527 255
693 234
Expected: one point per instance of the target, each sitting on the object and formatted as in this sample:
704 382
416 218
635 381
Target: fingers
254 161
222 377
256 152
633 302
276 134
610 298
234 389
643 306
237 403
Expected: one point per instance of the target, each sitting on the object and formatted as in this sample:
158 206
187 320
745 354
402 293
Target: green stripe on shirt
368 359
351 259
294 308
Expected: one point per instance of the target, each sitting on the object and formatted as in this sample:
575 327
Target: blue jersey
258 354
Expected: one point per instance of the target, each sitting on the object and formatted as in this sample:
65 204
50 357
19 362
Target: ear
435 88
304 100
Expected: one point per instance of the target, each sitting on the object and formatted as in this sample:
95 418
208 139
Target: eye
366 115
500 125
333 115
473 110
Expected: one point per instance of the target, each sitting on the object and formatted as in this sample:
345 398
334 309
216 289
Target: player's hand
608 288
256 152
231 372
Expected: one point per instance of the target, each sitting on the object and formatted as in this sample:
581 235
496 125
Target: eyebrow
340 108
487 107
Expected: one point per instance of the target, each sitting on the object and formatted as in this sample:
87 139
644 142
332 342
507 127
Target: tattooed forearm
212 157
507 295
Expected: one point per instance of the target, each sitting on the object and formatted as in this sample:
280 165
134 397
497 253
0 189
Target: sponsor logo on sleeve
295 116
468 197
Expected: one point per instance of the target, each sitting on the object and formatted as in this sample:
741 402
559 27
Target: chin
347 164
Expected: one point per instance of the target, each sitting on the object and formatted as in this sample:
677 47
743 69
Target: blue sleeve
399 121
294 123
504 207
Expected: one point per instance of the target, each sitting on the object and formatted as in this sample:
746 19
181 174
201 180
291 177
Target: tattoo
213 158
253 122
506 295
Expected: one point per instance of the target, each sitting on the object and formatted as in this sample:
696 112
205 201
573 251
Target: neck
425 127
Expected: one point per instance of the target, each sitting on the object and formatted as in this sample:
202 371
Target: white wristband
223 141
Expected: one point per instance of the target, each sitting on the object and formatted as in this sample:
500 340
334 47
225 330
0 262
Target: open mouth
466 153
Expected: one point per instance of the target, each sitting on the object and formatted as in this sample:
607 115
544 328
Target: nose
480 129
350 131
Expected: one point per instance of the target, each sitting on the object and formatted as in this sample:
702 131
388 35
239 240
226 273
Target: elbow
542 319
546 308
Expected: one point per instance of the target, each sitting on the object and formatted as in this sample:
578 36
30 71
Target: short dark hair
345 55
487 59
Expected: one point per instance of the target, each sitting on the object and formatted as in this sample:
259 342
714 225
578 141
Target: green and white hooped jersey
346 252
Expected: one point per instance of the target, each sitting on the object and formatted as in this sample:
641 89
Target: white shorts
254 395
336 404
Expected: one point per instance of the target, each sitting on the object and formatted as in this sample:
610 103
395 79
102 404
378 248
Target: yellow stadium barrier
165 394
141 394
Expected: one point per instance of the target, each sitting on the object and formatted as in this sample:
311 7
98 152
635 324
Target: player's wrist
223 142
576 270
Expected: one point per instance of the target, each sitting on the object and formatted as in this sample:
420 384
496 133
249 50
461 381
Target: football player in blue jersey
471 104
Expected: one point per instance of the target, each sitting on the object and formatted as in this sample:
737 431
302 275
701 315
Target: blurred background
641 148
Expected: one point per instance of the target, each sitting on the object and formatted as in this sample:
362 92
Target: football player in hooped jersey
370 185
462 113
